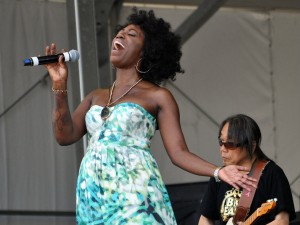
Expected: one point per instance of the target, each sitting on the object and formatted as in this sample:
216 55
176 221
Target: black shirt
221 199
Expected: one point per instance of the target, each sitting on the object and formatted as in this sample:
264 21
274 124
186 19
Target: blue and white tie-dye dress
119 182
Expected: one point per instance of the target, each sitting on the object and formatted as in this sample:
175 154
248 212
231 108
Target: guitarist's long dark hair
244 132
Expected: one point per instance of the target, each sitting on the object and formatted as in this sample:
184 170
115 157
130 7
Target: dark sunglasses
228 144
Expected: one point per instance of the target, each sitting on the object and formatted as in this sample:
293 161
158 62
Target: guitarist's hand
236 177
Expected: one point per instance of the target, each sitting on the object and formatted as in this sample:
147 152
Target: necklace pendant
105 113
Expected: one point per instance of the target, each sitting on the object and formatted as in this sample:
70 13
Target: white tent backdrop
240 61
35 173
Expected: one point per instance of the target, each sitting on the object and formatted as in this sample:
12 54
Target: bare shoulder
98 91
87 102
162 94
153 97
165 99
98 96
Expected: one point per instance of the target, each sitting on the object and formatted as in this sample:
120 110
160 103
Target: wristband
216 174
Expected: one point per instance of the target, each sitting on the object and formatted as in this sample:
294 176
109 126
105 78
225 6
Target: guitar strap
245 201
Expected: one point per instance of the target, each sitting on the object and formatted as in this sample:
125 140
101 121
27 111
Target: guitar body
230 221
264 209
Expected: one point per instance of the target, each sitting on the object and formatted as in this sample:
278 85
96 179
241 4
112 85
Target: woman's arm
174 142
67 129
205 221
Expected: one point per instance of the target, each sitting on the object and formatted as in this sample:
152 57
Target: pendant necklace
105 112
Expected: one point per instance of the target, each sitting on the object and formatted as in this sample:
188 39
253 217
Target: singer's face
127 47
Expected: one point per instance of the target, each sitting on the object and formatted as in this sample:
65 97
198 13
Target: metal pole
81 82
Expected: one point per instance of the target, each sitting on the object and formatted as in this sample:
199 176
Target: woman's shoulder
164 96
161 90
156 91
97 95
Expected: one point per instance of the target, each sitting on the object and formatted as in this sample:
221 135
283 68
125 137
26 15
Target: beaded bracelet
57 91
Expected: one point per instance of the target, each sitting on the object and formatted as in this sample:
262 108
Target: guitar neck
251 218
265 208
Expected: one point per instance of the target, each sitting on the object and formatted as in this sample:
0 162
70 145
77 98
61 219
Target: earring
137 67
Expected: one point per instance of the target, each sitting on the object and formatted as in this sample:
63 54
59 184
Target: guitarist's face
232 155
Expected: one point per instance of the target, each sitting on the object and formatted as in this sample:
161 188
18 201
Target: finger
243 182
253 184
246 187
53 49
235 186
252 179
47 50
249 181
60 59
243 168
250 184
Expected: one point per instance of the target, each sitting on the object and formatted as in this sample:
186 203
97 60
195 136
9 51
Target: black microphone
72 55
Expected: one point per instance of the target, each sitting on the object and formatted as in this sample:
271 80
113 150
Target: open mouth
118 45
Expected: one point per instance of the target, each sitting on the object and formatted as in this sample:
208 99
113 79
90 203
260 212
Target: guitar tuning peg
272 200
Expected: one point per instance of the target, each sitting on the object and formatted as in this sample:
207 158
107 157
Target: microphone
72 55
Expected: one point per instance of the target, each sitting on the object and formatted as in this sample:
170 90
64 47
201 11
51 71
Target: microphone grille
74 55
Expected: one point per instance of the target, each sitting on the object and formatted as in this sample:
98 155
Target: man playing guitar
239 139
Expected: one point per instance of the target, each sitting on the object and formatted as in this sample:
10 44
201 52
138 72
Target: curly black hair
162 48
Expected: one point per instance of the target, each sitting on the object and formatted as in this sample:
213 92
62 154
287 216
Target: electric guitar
264 209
